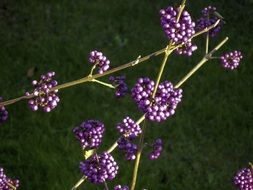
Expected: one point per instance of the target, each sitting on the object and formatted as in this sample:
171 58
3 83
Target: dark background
208 139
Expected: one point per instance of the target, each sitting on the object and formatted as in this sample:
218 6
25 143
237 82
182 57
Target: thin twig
207 39
11 185
103 83
166 55
138 157
203 60
79 183
106 186
181 8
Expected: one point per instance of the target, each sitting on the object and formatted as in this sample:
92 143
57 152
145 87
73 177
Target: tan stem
103 83
251 165
138 158
112 147
202 62
181 8
79 183
166 55
11 186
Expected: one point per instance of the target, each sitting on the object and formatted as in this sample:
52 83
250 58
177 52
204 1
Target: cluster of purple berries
7 183
208 18
231 60
120 85
243 179
90 134
165 102
179 31
3 113
128 148
129 128
157 149
142 92
99 168
163 105
97 58
120 187
44 97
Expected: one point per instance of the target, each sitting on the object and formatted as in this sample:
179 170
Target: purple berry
120 85
99 168
7 183
128 148
120 187
231 60
44 97
90 134
157 149
129 128
243 179
177 31
208 18
3 113
97 58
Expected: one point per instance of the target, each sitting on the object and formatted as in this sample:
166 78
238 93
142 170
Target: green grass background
208 139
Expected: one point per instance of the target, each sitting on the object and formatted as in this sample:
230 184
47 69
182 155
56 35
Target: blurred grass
208 139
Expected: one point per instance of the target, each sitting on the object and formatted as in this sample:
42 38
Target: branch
116 69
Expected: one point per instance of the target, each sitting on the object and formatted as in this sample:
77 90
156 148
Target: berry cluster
120 85
244 179
208 18
90 133
128 148
7 183
142 91
157 149
3 113
177 31
120 187
163 105
99 168
231 60
129 128
44 97
97 58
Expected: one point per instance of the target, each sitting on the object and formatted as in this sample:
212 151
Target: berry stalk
181 8
201 63
103 83
167 53
138 157
11 186
79 183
